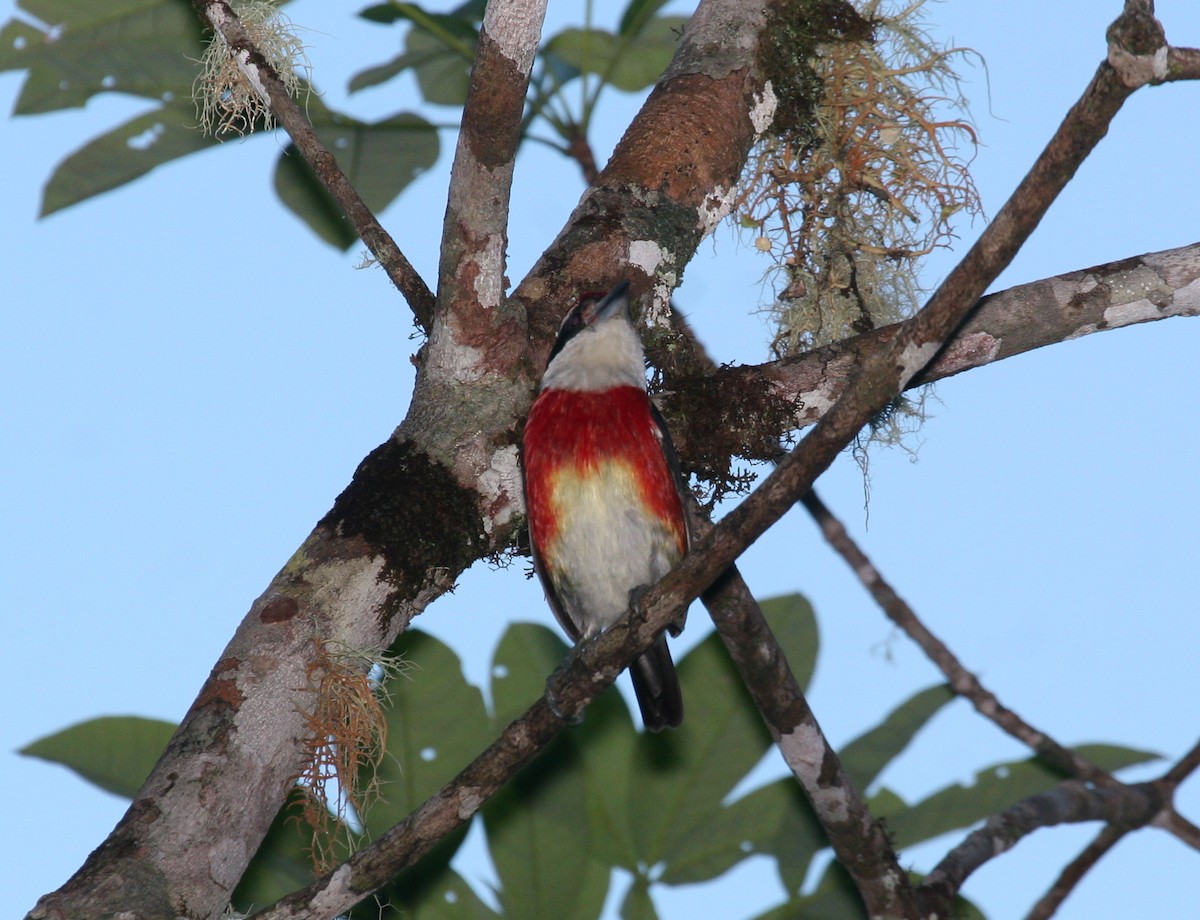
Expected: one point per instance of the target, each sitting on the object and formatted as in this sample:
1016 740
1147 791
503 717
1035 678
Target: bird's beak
616 303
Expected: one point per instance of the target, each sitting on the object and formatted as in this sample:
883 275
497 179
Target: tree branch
250 60
859 842
857 839
1074 872
1073 801
474 235
963 682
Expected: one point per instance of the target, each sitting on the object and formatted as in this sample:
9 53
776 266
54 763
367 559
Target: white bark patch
763 112
658 315
647 255
516 27
469 802
1126 314
803 749
250 72
450 360
489 284
500 484
331 900
1138 69
913 359
1187 300
717 205
351 587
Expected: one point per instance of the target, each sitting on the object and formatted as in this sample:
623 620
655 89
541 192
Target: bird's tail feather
657 688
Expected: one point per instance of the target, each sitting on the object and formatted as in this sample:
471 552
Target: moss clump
411 511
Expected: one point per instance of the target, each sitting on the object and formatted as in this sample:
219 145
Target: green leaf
471 11
450 899
440 48
750 825
141 47
526 656
637 904
794 623
115 753
866 756
436 722
629 62
996 788
379 159
125 153
637 15
799 837
538 826
684 777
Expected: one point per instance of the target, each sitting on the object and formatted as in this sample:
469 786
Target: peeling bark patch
498 88
501 485
412 512
221 690
971 350
1126 314
279 610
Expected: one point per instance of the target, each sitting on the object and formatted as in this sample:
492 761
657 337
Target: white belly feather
608 542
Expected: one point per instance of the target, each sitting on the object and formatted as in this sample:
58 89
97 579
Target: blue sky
191 378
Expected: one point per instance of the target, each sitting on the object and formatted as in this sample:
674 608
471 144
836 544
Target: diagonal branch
1073 873
859 842
1145 288
258 70
963 682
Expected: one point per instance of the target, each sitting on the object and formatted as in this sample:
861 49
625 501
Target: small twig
963 682
220 16
1071 802
1074 872
1183 768
1183 64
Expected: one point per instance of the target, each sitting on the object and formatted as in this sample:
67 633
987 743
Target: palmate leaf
436 721
140 47
125 153
380 159
801 836
678 811
538 826
439 48
866 756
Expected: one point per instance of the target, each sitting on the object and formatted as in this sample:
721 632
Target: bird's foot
552 698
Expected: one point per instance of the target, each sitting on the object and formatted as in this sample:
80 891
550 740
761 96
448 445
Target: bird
603 489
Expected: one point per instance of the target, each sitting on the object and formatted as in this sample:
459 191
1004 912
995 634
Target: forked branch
219 15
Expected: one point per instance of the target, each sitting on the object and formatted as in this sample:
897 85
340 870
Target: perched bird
602 488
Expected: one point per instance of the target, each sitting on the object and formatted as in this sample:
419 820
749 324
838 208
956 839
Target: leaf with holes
141 47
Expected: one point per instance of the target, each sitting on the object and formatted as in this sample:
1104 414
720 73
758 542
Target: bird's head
597 347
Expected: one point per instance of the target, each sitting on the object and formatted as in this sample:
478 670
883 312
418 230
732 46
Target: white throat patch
598 358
